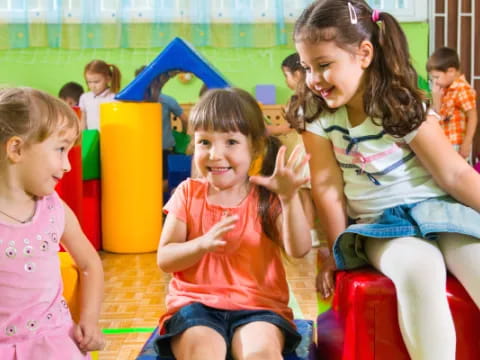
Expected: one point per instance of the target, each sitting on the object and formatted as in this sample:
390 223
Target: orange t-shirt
457 99
249 275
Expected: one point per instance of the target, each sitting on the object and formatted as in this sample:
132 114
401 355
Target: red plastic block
363 323
70 188
92 212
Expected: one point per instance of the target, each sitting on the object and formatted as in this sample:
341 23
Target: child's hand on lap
88 336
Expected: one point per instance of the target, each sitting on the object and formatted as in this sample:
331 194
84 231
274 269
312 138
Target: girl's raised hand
212 240
287 177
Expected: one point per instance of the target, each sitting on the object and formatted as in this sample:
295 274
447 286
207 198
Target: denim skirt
425 219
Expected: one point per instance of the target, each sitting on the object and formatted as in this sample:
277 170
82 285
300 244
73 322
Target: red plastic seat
363 322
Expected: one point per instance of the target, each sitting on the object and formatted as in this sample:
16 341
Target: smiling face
333 73
42 165
223 158
97 83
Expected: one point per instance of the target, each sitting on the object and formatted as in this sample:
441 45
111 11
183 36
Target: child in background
169 106
224 235
70 93
454 100
37 132
382 170
103 81
295 75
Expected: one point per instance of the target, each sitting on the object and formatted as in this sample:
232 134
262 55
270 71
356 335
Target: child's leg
462 255
258 340
417 269
199 342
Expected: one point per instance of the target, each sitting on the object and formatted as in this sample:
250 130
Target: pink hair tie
375 15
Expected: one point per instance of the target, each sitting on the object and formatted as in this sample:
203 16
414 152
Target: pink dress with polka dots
35 322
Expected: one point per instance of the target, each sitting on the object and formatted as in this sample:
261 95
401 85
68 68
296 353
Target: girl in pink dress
36 133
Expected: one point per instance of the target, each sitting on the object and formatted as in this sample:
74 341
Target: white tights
417 267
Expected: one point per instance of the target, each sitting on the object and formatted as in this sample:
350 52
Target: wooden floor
134 299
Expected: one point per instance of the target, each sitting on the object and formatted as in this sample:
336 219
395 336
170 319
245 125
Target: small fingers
328 284
300 165
280 161
225 225
260 180
86 342
293 158
77 334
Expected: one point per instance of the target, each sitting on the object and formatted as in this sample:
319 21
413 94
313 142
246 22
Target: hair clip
352 13
375 15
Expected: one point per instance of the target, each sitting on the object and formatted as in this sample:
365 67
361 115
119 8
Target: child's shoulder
327 120
461 83
193 186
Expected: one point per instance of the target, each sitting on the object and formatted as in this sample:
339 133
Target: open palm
287 176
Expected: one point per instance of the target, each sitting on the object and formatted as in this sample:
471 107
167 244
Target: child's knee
200 340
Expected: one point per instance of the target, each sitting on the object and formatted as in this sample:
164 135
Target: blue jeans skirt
425 219
225 322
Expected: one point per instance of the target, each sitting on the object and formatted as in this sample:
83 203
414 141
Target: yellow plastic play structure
131 158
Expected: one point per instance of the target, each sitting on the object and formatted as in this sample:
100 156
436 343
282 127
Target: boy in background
454 100
70 93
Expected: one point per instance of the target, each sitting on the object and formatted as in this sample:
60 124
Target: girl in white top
103 80
381 169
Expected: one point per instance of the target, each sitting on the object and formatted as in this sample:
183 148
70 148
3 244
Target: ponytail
393 80
116 78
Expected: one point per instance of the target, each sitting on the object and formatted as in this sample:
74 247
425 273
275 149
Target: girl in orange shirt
224 236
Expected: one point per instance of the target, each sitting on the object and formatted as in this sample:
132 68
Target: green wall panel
48 69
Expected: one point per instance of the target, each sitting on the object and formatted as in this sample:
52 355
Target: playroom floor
134 299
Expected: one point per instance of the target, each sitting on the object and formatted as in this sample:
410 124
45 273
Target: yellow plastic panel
131 161
70 283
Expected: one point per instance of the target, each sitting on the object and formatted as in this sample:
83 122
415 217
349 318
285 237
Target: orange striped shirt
457 99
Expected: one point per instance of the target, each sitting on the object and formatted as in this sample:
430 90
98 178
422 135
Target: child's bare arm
176 254
330 203
286 180
87 332
184 120
448 169
471 127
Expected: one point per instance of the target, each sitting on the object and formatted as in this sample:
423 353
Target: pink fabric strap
375 15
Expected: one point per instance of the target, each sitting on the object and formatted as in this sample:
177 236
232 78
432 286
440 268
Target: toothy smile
218 169
325 92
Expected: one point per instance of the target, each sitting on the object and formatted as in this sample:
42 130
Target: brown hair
292 63
107 70
233 109
34 115
71 90
391 91
442 59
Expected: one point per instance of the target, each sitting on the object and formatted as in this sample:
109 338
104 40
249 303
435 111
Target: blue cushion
306 350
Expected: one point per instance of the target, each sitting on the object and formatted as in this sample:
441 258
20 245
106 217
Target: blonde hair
34 115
